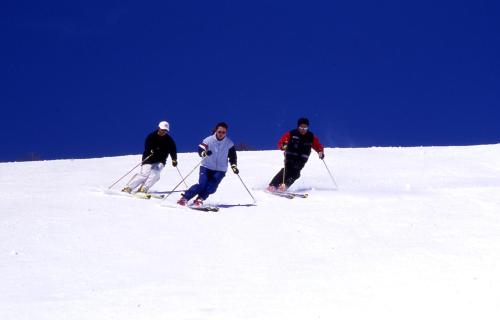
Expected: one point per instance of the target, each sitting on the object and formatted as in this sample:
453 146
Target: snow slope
412 233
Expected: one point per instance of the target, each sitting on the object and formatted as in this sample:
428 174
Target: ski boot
182 202
271 188
127 189
198 202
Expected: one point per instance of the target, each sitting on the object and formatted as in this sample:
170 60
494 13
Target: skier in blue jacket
215 150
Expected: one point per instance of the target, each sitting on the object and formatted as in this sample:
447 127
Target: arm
282 143
318 147
232 156
172 148
233 159
173 152
148 147
203 150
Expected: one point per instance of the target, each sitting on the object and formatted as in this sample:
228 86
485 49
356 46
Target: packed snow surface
410 233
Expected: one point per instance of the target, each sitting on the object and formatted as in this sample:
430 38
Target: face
220 133
303 129
162 132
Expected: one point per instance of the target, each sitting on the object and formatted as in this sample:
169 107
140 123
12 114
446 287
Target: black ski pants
291 171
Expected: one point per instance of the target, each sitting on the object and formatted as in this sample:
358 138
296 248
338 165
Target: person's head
220 130
163 128
303 125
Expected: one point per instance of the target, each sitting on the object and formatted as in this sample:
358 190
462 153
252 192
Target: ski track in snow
411 233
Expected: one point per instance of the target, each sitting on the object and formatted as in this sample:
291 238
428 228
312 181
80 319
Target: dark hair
302 121
220 124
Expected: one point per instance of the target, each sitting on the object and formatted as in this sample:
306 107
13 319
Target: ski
165 192
288 195
138 195
155 195
204 208
125 194
295 194
142 195
282 194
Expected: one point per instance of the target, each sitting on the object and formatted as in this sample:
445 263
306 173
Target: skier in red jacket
297 145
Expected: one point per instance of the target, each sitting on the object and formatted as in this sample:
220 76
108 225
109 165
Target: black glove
235 169
205 153
321 155
152 151
174 163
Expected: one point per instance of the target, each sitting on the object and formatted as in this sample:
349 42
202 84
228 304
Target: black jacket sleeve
232 155
200 151
173 149
148 146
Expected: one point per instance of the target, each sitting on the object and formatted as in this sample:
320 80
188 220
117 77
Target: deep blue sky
91 78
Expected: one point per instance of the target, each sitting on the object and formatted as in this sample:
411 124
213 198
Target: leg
141 177
293 169
201 185
154 176
212 184
278 179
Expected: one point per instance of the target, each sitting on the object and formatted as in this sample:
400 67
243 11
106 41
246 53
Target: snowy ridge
412 233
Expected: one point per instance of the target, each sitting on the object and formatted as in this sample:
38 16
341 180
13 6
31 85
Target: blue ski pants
208 182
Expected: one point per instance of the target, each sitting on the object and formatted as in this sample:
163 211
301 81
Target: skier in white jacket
216 150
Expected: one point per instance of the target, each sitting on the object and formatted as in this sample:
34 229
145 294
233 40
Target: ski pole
126 174
182 177
331 176
284 171
182 180
130 180
284 163
254 201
